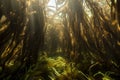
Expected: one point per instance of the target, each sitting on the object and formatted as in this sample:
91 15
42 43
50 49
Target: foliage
54 69
84 32
58 68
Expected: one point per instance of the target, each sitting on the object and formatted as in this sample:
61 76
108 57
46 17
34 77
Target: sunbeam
59 40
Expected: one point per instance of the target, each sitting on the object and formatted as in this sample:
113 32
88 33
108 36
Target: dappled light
59 39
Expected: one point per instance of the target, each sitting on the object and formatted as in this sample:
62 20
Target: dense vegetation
77 41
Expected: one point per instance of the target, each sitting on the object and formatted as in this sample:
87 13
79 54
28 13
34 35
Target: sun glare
52 5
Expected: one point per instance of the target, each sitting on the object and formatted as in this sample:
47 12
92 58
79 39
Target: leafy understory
58 68
70 40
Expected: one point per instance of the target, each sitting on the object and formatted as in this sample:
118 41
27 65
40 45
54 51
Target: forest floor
58 68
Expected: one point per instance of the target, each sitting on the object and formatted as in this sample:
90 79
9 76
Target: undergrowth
58 68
